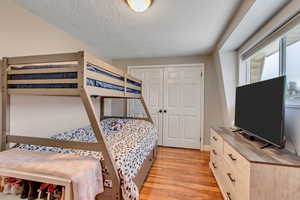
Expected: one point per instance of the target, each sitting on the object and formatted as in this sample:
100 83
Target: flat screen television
259 110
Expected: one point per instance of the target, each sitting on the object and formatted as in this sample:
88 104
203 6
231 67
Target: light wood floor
180 174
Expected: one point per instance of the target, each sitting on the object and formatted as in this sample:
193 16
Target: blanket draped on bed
86 184
130 142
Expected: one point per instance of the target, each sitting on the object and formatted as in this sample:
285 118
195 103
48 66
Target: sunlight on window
293 70
265 63
271 67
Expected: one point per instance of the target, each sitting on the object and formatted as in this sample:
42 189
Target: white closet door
182 102
153 93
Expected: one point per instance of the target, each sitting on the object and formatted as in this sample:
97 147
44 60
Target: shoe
33 190
43 191
16 187
49 191
7 188
54 192
25 192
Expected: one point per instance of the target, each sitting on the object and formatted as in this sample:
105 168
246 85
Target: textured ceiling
168 28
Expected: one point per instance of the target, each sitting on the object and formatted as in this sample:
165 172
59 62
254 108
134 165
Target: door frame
202 92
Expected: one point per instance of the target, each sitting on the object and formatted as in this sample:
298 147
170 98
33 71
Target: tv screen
260 110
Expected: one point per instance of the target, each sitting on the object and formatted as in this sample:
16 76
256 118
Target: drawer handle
228 195
215 139
214 165
230 177
231 157
214 152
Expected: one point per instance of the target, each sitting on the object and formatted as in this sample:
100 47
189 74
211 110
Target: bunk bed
74 74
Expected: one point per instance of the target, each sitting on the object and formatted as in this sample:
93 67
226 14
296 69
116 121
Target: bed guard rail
67 74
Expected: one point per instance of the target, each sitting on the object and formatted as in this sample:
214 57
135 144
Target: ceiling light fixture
139 5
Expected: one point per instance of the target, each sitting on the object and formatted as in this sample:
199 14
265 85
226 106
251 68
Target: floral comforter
130 142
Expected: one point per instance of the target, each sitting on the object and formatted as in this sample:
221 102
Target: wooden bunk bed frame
79 61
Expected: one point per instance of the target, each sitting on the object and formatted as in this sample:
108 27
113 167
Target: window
292 69
279 57
265 63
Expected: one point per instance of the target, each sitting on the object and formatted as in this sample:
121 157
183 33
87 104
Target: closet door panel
154 100
182 89
152 92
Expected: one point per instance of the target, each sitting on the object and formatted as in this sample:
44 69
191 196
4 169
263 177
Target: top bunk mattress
130 142
69 75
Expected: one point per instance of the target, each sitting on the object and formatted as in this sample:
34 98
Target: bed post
146 110
115 194
125 107
108 158
125 93
101 108
5 114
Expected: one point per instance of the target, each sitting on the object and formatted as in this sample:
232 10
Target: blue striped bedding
69 75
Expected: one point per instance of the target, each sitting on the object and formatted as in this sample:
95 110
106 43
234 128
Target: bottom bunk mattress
130 142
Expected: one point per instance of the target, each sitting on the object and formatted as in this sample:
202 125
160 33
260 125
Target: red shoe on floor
55 192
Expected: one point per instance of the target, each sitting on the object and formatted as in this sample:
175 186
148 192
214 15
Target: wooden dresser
244 171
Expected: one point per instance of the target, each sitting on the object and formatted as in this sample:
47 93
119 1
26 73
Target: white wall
226 62
44 115
212 107
21 33
229 62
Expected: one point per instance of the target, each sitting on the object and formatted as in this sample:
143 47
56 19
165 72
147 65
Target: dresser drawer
214 154
216 166
238 189
229 193
216 143
234 159
233 177
216 159
236 181
215 138
216 151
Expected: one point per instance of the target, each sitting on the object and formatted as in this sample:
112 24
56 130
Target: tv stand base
248 137
266 146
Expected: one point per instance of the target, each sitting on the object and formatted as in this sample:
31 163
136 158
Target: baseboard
206 148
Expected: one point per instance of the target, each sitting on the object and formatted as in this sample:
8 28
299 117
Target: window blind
280 31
